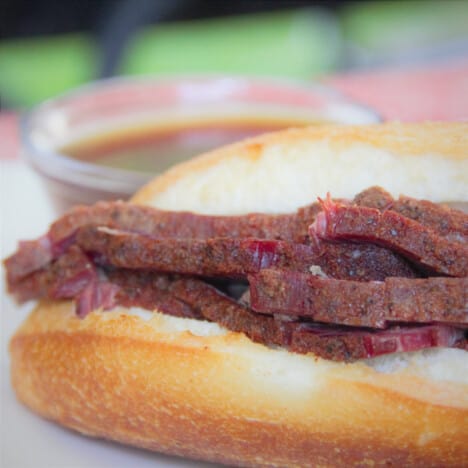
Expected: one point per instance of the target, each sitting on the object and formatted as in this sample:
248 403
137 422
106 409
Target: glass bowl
105 140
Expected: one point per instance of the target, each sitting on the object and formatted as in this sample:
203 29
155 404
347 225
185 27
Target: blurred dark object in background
113 22
50 46
25 18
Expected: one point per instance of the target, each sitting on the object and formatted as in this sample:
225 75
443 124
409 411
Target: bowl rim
61 167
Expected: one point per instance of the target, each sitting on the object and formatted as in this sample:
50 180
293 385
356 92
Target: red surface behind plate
431 92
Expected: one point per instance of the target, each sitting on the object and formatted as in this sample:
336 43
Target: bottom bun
190 388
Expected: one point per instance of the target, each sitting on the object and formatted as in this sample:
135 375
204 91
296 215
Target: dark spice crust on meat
342 344
236 258
114 254
34 255
190 298
447 222
150 291
180 224
389 229
37 254
368 304
61 279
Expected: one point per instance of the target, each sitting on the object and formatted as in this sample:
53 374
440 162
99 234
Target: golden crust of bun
223 398
190 388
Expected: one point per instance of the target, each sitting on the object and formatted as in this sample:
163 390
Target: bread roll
191 388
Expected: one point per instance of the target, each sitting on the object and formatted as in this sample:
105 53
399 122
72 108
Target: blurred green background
53 46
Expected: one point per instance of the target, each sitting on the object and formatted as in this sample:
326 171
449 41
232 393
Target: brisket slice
360 262
182 224
31 256
365 304
394 231
336 343
374 197
229 258
447 222
348 345
215 257
61 279
98 294
34 255
192 298
235 258
133 289
74 276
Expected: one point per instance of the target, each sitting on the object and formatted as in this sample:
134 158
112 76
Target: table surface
417 94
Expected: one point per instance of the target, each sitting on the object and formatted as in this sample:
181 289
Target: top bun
279 172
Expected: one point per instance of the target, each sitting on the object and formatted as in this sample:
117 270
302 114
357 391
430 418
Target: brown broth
153 149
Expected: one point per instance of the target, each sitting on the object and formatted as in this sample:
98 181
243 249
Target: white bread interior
194 389
281 171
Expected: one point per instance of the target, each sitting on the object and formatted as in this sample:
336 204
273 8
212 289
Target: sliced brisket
34 255
190 298
392 230
447 222
98 294
321 296
133 289
368 304
31 256
360 262
374 197
181 224
222 258
349 345
235 258
63 278
334 343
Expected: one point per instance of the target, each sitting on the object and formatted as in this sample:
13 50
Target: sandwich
295 299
